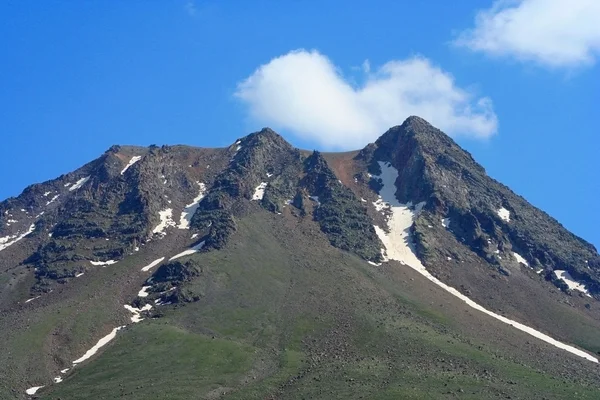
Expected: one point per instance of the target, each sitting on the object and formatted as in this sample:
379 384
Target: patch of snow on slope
190 209
520 258
68 184
504 214
52 200
8 241
133 160
446 222
187 252
103 263
47 193
398 246
144 291
58 379
97 346
136 312
166 220
259 191
269 174
31 299
79 274
79 183
153 264
566 277
64 371
33 390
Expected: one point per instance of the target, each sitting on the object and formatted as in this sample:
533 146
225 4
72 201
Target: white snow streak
259 191
190 209
398 246
187 252
446 222
7 241
31 299
504 214
52 199
153 264
103 263
97 346
571 283
166 220
47 193
79 274
79 183
58 379
133 160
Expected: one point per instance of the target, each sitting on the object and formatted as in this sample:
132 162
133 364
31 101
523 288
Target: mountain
259 270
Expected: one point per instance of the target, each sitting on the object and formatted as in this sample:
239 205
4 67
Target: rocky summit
262 271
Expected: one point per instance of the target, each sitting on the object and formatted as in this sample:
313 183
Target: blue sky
522 96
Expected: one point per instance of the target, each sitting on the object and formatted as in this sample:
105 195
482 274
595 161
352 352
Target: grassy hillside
284 315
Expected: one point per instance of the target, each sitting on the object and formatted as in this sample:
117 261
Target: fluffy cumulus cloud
554 33
303 92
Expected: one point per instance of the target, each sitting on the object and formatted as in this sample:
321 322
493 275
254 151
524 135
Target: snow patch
136 312
166 220
153 264
194 236
571 283
97 346
520 258
269 174
189 251
52 200
79 274
31 299
144 291
504 214
47 193
33 390
103 263
64 371
79 183
58 379
9 240
133 160
446 222
190 209
259 191
399 247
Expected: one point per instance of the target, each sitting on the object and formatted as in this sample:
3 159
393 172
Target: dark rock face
116 209
434 169
341 215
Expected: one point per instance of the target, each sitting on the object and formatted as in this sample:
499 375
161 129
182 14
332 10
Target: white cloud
303 92
554 33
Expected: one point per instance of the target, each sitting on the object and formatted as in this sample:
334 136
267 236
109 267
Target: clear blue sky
78 77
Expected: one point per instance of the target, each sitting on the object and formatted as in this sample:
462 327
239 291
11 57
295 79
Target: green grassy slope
284 315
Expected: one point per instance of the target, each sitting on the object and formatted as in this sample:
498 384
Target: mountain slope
263 271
